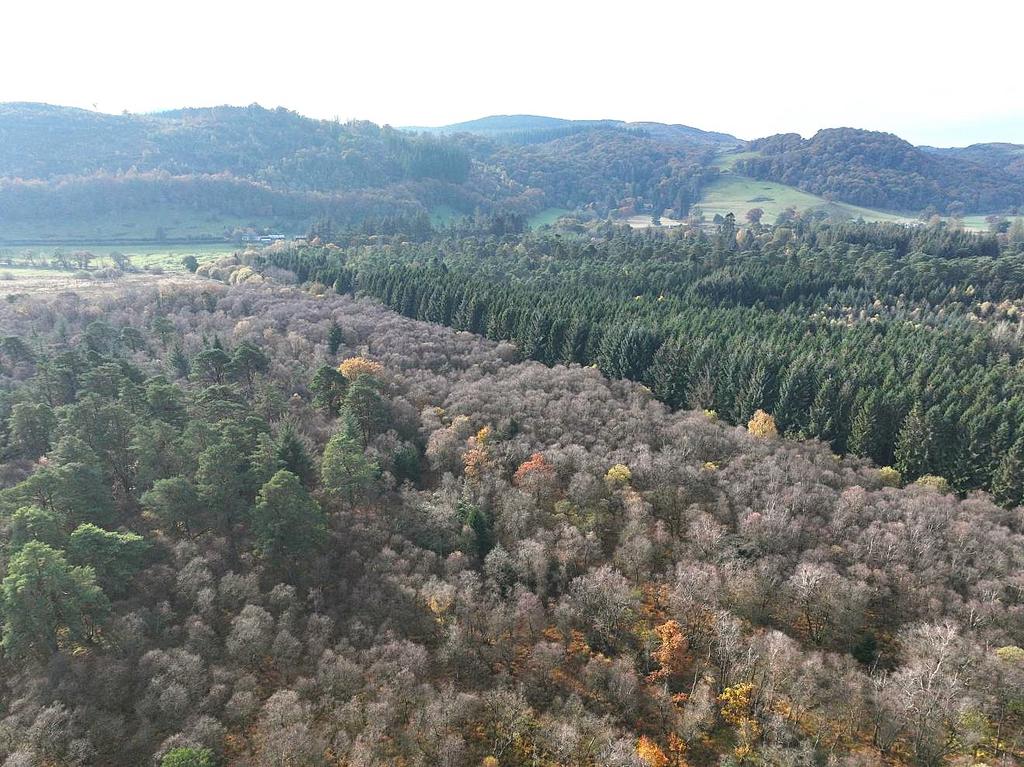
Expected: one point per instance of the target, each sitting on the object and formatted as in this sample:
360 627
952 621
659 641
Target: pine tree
345 470
574 347
287 523
753 393
794 400
364 402
1008 480
823 418
335 338
45 603
869 436
914 444
668 373
179 362
328 387
975 471
291 453
636 353
946 442
479 529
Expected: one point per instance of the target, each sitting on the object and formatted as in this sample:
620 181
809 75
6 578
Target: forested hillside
1007 157
894 343
611 170
528 129
57 163
880 170
235 166
277 147
260 526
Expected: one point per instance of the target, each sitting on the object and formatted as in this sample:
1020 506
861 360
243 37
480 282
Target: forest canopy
261 525
897 344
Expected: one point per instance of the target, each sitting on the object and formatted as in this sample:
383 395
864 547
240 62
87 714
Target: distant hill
496 125
999 156
535 128
237 162
880 170
276 147
276 165
212 171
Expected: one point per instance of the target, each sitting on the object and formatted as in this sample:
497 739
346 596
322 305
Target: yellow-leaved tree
762 425
650 753
619 474
671 652
354 367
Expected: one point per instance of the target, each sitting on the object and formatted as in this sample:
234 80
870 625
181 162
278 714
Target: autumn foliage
477 454
619 474
354 367
762 425
650 753
534 469
671 652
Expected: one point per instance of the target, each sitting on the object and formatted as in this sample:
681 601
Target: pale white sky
934 72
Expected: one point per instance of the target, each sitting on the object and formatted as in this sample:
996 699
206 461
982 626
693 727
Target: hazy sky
934 72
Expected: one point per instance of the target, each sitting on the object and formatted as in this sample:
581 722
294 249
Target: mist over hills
528 128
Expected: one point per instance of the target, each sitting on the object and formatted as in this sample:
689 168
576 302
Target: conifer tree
914 444
335 338
668 373
328 387
46 603
1008 480
345 470
868 434
291 453
287 523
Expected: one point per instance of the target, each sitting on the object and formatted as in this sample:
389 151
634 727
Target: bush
890 477
941 484
188 757
619 474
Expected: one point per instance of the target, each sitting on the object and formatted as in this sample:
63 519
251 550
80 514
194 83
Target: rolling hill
203 174
199 173
880 170
532 128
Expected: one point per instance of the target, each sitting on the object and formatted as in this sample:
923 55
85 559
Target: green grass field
728 160
546 217
737 194
442 215
166 257
978 223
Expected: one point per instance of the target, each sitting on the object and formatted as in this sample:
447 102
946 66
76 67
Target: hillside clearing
546 217
732 193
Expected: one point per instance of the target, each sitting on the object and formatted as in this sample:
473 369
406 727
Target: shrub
188 757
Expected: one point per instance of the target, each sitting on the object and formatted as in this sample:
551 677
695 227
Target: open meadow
732 193
38 269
